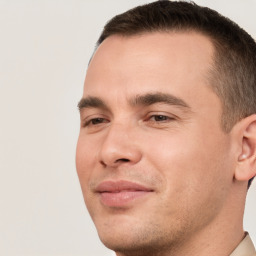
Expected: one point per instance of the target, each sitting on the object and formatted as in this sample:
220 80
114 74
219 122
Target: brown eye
95 121
160 118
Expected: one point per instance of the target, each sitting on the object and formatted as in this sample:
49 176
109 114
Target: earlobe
246 161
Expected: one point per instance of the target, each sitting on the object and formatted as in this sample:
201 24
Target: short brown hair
233 75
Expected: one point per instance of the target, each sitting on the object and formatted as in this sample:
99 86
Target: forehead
176 63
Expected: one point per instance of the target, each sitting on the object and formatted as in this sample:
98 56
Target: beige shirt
245 248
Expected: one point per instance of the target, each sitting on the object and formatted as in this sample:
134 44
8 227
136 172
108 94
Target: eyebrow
139 100
91 102
158 97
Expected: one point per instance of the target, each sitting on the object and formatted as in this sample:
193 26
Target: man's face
153 162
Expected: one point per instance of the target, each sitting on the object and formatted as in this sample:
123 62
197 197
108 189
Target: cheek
84 160
195 186
189 162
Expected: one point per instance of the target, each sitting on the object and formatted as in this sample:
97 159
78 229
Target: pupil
97 120
160 118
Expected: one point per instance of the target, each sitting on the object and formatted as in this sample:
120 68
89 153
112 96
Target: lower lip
122 198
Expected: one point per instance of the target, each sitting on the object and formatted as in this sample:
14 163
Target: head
167 124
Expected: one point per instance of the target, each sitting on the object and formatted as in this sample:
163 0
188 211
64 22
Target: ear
246 160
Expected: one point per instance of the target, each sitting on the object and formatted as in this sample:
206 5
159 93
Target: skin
180 152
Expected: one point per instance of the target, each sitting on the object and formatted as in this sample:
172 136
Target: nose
119 147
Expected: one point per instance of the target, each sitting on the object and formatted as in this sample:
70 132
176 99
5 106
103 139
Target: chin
118 238
136 240
125 245
139 246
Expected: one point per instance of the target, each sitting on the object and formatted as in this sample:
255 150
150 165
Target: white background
45 46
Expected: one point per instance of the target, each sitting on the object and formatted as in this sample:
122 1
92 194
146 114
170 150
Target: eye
98 120
160 118
94 121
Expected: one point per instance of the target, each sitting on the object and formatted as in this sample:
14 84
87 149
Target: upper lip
120 185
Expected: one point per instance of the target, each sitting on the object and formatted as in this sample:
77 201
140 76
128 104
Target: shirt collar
245 248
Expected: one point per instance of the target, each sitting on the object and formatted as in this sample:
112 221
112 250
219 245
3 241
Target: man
167 146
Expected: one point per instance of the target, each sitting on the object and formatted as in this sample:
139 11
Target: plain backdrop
45 46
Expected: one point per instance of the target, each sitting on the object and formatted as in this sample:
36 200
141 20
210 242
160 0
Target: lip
121 193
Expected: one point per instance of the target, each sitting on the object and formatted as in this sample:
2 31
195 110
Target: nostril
103 163
122 160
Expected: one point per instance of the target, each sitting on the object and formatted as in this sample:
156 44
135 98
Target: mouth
121 193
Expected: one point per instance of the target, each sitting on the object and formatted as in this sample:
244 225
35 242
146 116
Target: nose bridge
119 145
